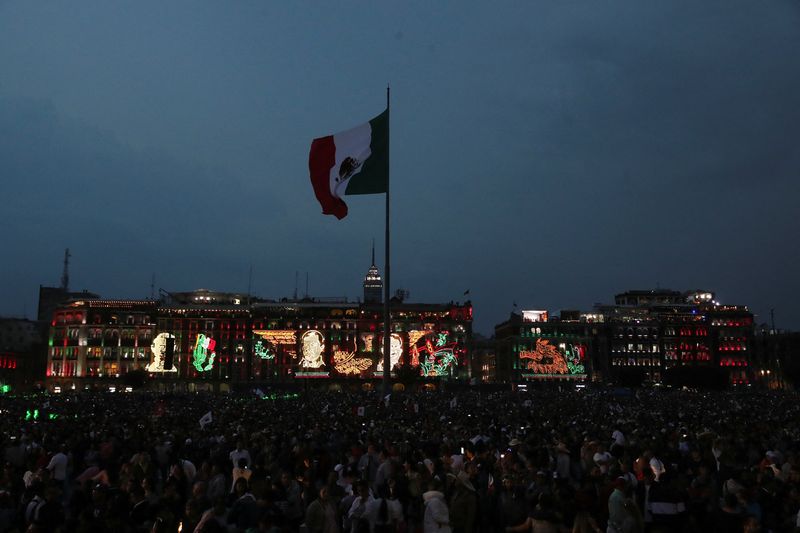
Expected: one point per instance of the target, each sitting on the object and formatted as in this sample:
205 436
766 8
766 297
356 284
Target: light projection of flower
203 355
159 349
547 359
313 345
395 352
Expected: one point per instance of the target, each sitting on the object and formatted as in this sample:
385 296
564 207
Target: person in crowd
321 514
437 515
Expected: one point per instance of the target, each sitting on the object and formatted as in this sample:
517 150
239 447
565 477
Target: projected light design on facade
313 347
395 352
277 337
269 342
367 342
547 359
204 354
159 349
264 350
346 363
434 352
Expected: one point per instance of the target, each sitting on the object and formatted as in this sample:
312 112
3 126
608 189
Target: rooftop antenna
65 274
153 286
373 250
306 283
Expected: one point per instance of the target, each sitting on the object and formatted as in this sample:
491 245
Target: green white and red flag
355 161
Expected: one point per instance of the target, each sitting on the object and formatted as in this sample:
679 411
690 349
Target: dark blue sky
551 153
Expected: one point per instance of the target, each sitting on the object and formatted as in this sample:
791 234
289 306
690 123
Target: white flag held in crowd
453 403
386 400
360 411
206 420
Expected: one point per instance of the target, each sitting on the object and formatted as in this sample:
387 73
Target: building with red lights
643 336
206 338
21 346
100 338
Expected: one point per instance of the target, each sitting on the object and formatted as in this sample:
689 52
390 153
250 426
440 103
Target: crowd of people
550 460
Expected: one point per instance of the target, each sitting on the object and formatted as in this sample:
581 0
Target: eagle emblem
348 168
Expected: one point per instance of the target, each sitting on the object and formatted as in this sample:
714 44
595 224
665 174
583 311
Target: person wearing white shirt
602 458
618 437
377 514
359 505
657 467
58 465
239 453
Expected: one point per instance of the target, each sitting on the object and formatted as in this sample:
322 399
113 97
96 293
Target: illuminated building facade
776 358
643 336
21 343
655 331
532 345
100 338
221 339
319 339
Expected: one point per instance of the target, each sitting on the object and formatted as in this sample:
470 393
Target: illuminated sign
159 349
348 364
534 316
395 352
313 346
203 355
311 375
277 336
547 359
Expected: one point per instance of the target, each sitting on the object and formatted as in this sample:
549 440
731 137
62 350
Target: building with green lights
202 339
644 336
534 346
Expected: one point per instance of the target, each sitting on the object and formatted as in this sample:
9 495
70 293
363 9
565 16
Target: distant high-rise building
373 284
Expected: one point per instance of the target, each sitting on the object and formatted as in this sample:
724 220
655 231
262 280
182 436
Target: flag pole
387 331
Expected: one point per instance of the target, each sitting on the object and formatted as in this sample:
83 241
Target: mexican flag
355 161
